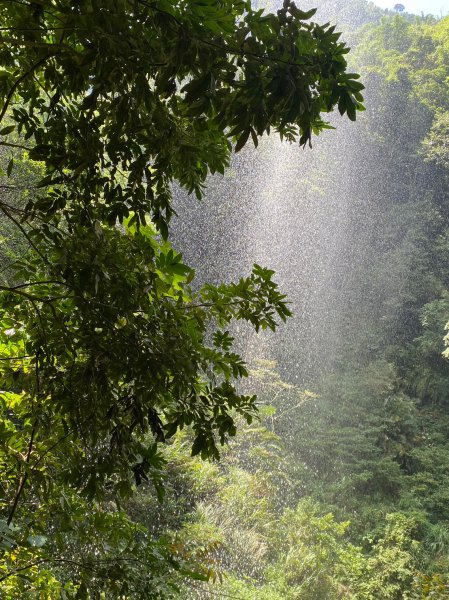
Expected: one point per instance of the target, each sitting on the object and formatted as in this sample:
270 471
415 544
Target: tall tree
106 350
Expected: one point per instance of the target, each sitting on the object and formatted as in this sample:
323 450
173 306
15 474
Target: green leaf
37 541
241 141
7 129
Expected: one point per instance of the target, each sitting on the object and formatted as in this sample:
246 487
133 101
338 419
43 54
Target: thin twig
45 282
21 211
73 563
11 145
25 568
22 229
41 29
16 42
7 288
15 188
23 478
211 304
18 357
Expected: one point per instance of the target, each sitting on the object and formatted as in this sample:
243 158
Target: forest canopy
106 348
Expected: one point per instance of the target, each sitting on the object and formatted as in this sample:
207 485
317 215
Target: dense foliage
106 349
340 489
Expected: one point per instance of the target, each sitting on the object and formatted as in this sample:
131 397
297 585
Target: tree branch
19 81
226 48
45 282
7 288
25 568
